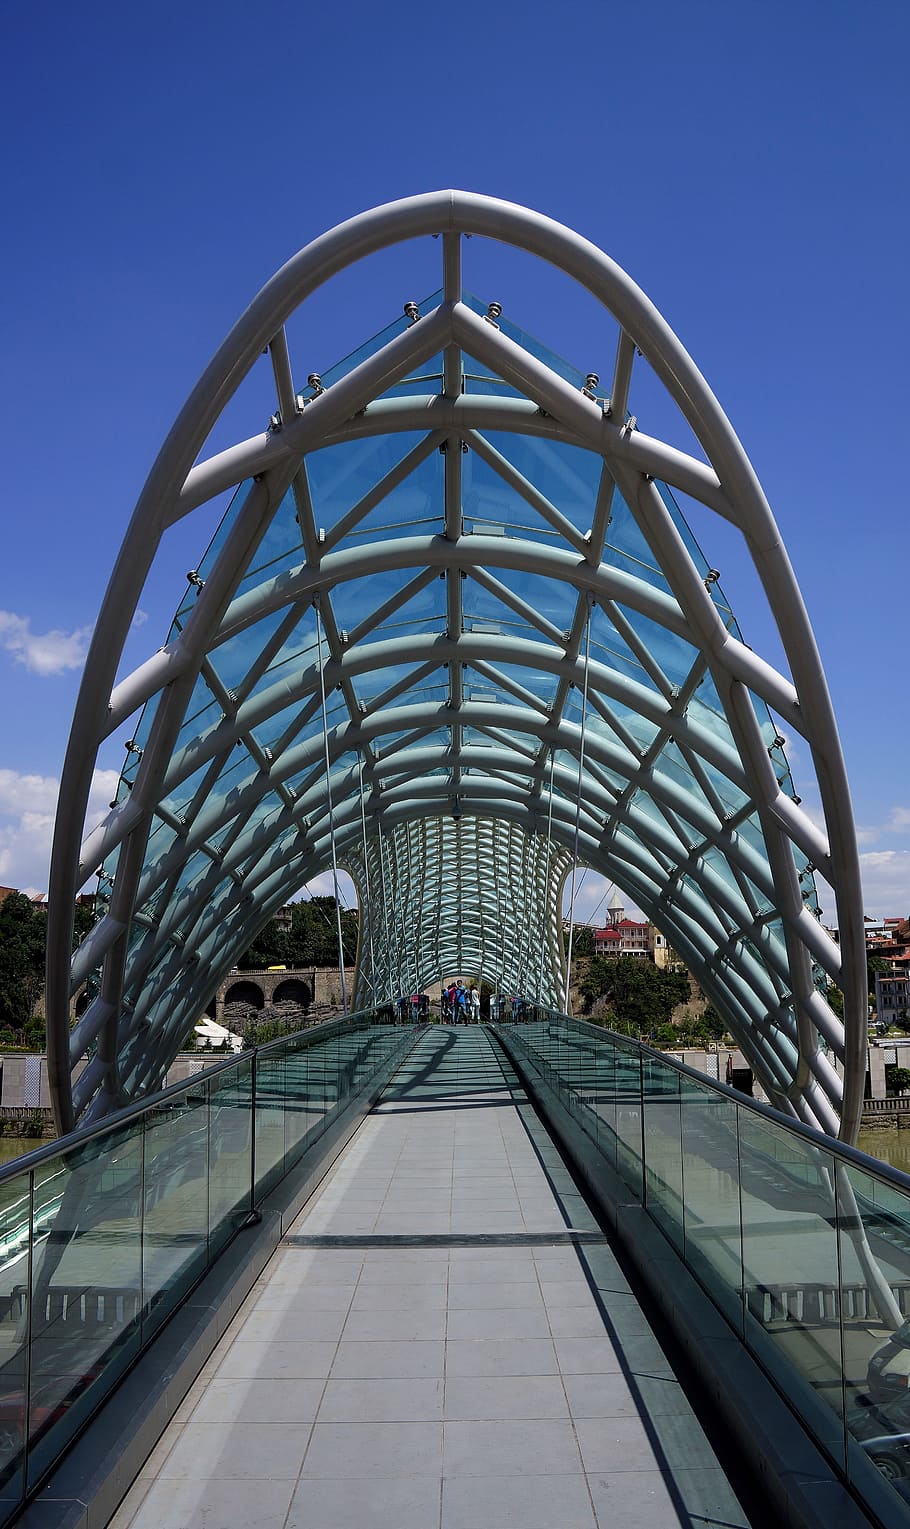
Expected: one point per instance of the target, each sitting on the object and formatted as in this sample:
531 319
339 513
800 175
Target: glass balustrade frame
104 1233
802 1243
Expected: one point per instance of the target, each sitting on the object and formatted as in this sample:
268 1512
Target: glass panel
663 1147
86 1285
874 1221
174 1244
605 1101
791 1271
298 1116
711 1209
269 1123
629 1149
231 1129
15 1233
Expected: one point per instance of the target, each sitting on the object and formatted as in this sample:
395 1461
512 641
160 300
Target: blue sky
746 163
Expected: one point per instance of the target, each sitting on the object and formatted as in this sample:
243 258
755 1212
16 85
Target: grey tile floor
450 1386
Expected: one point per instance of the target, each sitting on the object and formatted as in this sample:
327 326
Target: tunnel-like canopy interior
455 634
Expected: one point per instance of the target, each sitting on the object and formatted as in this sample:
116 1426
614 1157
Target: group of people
460 1005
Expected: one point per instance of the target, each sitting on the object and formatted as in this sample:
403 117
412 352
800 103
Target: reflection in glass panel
15 1231
269 1124
713 1234
663 1148
790 1251
230 1126
176 1200
874 1220
86 1285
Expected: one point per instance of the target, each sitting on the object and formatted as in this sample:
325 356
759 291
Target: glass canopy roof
451 632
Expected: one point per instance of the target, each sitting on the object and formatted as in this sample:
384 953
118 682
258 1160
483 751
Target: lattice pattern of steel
456 569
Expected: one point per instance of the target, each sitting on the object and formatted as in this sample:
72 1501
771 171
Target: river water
14 1146
892 1146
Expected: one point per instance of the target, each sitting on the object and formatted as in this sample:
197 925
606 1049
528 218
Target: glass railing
105 1232
802 1243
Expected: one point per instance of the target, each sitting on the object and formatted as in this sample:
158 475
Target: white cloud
886 882
27 807
323 886
43 652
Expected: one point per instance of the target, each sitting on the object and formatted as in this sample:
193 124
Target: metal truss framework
455 627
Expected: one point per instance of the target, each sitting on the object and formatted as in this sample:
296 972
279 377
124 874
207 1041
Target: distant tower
616 910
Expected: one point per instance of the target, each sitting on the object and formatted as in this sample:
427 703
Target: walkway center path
433 1348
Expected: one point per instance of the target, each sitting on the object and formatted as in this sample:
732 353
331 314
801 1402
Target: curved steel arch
511 606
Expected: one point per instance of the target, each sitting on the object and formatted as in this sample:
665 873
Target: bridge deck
445 1341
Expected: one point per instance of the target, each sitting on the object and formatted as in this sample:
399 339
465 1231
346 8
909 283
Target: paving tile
604 1396
500 1265
299 1325
412 1503
372 1450
518 1502
470 1294
634 1499
412 1224
575 1321
325 1267
416 1322
644 1356
305 1295
540 1446
209 1504
464 1222
499 1322
278 1361
587 1356
418 1360
476 1398
610 1444
247 1451
500 1356
381 1401
564 1292
260 1401
390 1297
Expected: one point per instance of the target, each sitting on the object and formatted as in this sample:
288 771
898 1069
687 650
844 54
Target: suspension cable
328 787
368 910
386 914
549 856
581 766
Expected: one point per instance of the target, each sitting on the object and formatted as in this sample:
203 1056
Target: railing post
254 1067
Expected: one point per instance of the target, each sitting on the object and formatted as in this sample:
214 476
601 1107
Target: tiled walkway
483 1371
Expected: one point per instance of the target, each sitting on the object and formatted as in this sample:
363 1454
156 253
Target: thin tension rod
328 787
549 859
581 765
366 872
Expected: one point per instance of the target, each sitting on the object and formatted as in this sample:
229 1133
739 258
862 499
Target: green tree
22 938
582 940
640 995
836 999
83 921
311 938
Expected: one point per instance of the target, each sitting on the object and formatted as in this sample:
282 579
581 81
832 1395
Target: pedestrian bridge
431 1276
454 633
